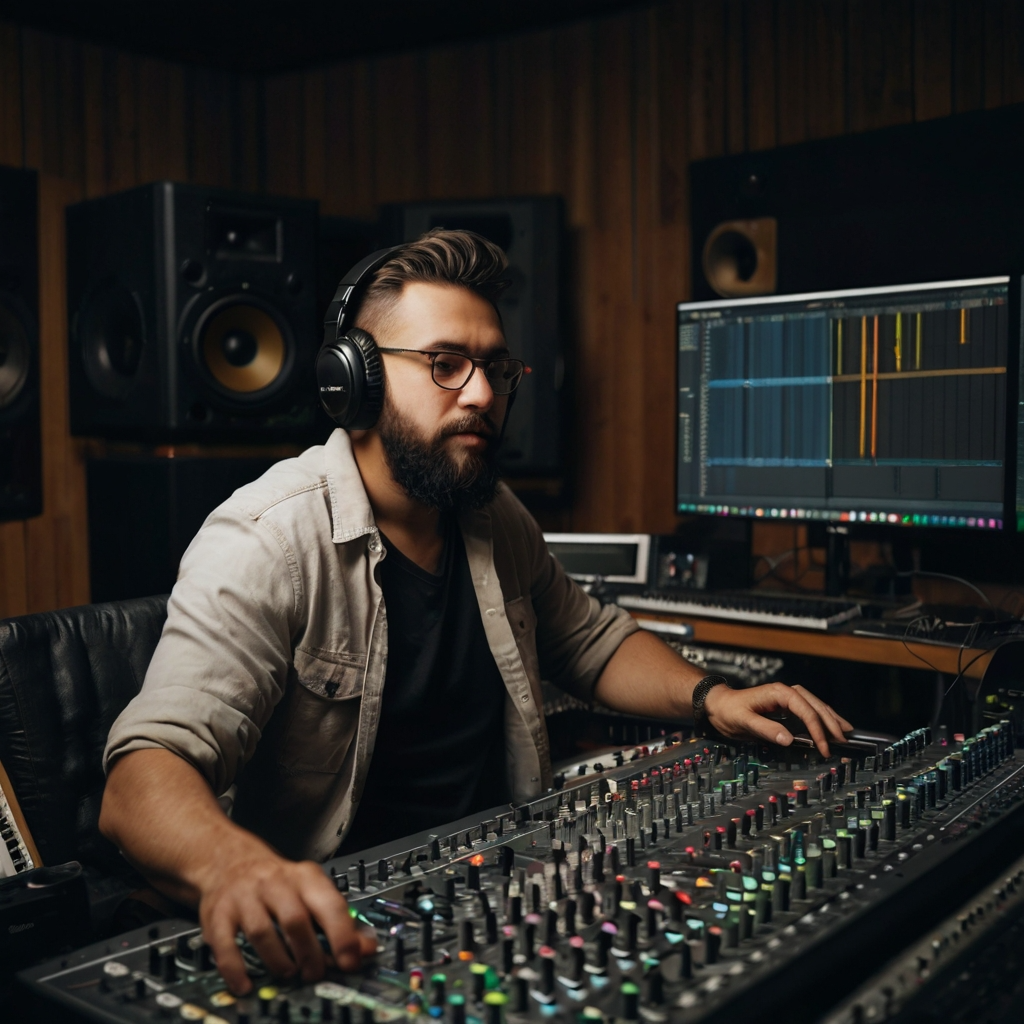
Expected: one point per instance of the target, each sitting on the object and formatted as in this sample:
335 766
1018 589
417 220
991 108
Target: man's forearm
162 814
646 677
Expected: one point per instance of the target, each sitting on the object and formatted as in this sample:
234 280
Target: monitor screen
880 405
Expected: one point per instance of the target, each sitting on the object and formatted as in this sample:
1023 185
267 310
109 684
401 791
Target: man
354 647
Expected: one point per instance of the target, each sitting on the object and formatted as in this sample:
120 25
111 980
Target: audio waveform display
870 405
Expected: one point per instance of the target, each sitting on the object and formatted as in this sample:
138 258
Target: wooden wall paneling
121 117
314 134
164 138
246 131
285 145
707 80
532 164
13 569
933 66
52 97
792 81
94 121
209 127
57 541
968 59
826 69
880 89
658 258
349 149
735 76
459 127
1004 52
618 373
11 136
574 77
762 85
400 128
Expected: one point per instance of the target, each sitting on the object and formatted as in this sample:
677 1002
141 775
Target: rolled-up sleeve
223 658
576 634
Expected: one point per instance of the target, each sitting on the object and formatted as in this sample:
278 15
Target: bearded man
355 643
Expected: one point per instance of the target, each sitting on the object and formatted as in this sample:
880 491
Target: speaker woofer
15 357
243 347
112 338
740 257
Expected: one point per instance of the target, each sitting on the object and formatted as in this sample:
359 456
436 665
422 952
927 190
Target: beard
427 470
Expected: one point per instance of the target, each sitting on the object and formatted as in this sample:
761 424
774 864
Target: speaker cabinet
531 231
144 511
20 450
937 200
193 315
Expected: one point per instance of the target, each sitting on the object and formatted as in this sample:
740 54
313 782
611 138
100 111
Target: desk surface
838 644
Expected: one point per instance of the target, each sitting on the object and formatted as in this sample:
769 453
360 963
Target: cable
948 576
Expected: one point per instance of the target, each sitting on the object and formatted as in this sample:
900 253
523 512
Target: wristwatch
700 694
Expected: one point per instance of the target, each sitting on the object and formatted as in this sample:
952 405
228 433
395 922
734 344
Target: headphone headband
342 310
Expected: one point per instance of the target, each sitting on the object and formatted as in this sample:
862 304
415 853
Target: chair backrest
64 677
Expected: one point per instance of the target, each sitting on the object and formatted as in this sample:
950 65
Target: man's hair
458 258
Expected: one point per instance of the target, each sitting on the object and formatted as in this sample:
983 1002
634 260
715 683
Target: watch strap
699 696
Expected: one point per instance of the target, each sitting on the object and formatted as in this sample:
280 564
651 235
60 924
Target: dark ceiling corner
261 37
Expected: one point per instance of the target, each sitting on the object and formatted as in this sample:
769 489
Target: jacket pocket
321 713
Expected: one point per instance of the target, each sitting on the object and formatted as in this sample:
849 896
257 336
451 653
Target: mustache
471 425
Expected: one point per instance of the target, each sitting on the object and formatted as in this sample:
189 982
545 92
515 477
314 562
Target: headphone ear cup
350 379
373 377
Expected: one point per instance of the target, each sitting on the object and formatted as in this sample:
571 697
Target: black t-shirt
440 748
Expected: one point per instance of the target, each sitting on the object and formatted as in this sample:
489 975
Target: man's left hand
738 714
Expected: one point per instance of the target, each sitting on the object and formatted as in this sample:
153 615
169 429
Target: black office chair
64 677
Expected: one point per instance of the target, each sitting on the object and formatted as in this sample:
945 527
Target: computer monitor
875 405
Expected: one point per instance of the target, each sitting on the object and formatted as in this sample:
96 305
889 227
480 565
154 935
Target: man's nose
477 393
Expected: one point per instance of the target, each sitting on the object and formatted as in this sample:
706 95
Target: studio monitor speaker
20 450
930 201
531 231
192 315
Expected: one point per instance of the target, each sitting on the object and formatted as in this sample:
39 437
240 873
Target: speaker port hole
198 412
193 272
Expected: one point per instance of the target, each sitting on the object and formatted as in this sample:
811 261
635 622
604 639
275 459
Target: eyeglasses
452 370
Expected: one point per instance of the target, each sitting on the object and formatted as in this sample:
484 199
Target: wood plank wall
608 112
94 121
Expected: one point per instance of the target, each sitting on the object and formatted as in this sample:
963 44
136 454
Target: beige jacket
269 675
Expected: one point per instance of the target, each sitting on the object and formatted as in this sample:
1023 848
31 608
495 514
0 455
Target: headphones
349 371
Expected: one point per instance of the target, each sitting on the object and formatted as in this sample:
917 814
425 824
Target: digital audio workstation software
881 405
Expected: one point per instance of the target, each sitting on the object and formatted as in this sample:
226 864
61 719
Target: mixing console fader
679 882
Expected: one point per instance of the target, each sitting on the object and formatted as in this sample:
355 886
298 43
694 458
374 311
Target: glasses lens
503 375
451 370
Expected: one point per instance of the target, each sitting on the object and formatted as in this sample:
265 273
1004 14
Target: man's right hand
274 902
163 815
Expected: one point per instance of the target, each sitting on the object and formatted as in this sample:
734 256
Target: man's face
440 445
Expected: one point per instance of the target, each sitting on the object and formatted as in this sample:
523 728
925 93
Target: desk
839 644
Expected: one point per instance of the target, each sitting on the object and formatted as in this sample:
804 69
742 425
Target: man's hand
738 714
164 817
274 902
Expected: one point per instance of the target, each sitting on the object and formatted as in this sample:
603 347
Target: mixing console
682 881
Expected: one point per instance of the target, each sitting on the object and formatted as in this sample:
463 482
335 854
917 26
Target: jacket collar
350 507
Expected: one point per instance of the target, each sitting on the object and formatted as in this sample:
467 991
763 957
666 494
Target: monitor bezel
1014 387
